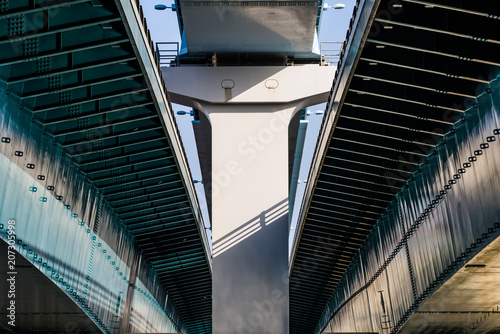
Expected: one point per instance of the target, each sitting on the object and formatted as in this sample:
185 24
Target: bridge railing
167 53
330 52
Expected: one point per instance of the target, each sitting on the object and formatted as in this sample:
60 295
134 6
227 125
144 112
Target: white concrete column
249 110
250 218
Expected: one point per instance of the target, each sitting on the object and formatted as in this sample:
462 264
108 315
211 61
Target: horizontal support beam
367 227
123 134
399 83
146 195
138 180
358 188
113 147
155 215
359 180
361 92
90 46
316 205
444 54
80 85
393 126
439 31
134 172
177 258
362 172
397 113
105 125
341 227
146 231
457 9
73 26
419 69
350 201
40 7
355 195
90 99
375 156
155 207
141 188
380 147
61 71
385 136
369 165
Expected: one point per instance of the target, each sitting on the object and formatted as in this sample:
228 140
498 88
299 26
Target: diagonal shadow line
255 224
244 226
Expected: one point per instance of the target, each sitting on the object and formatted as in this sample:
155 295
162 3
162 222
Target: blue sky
163 26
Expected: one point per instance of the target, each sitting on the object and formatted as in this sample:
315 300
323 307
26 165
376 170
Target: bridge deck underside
421 67
51 308
73 64
250 26
469 299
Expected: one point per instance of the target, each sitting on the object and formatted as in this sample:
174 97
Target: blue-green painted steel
69 234
446 213
86 104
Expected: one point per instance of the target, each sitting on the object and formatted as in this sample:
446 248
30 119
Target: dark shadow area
250 277
41 306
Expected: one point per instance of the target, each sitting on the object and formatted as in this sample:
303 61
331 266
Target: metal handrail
168 53
330 52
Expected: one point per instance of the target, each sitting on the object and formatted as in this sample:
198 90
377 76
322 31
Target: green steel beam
326 207
47 5
368 189
385 136
89 99
138 180
80 85
362 92
419 69
105 125
179 198
96 180
75 26
99 112
123 155
399 83
148 230
374 156
356 171
141 187
397 113
90 65
444 54
147 195
158 215
115 135
350 201
176 204
60 51
134 163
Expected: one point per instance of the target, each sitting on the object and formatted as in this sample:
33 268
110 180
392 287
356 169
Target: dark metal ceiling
409 72
87 71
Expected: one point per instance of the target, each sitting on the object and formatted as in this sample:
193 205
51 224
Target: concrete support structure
249 109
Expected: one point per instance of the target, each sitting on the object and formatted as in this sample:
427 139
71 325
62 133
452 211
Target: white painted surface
250 218
310 84
250 183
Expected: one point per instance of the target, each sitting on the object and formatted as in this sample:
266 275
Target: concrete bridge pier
249 110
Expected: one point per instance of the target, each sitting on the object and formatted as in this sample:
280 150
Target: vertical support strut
249 109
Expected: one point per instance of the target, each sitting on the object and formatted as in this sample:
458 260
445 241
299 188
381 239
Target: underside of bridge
411 115
399 228
86 120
